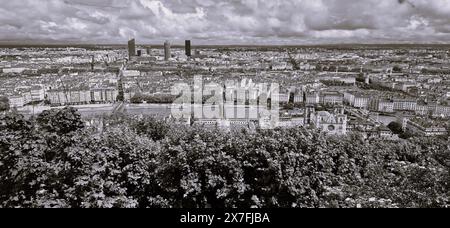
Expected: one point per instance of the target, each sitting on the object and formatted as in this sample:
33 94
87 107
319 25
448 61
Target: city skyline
301 22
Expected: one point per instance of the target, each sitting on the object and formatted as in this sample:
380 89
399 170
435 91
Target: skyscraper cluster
167 49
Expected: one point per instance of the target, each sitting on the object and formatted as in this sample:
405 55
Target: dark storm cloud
231 21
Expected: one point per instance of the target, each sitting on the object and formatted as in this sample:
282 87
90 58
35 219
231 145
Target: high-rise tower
187 46
167 54
131 48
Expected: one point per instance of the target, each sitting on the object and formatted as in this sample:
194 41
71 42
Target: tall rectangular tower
167 54
188 48
131 48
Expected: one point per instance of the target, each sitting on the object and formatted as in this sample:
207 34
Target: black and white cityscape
230 104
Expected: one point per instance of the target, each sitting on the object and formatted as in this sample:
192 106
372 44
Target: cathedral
334 123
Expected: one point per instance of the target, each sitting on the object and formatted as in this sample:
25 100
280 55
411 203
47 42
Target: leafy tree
61 122
114 170
21 151
54 161
396 128
150 127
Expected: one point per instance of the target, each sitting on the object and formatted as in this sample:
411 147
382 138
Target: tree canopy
56 161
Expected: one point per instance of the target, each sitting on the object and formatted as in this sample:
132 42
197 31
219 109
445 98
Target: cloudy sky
226 21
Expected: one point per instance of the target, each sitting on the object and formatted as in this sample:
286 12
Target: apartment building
405 104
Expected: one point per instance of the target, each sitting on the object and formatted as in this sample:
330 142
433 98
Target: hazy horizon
181 44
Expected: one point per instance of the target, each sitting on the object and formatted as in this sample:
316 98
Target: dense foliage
397 129
55 161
